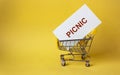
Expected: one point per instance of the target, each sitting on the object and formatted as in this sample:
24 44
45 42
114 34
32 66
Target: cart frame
76 47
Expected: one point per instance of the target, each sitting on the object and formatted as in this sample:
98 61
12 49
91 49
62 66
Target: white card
78 25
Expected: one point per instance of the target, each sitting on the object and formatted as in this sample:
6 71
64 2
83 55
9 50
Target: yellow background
28 46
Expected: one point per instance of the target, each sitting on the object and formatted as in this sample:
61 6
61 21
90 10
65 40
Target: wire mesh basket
79 47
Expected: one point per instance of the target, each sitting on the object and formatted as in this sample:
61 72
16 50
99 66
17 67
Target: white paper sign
78 25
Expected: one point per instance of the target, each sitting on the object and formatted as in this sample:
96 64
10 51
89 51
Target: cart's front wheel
87 64
63 63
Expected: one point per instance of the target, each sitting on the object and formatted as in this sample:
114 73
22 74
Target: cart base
83 59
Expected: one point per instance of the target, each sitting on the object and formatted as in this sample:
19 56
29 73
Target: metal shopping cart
76 47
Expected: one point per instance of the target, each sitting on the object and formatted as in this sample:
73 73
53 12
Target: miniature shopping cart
76 47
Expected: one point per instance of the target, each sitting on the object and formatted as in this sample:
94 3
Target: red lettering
83 20
76 27
81 23
73 29
68 34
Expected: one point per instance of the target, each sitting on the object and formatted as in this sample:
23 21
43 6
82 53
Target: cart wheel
87 64
63 63
83 57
